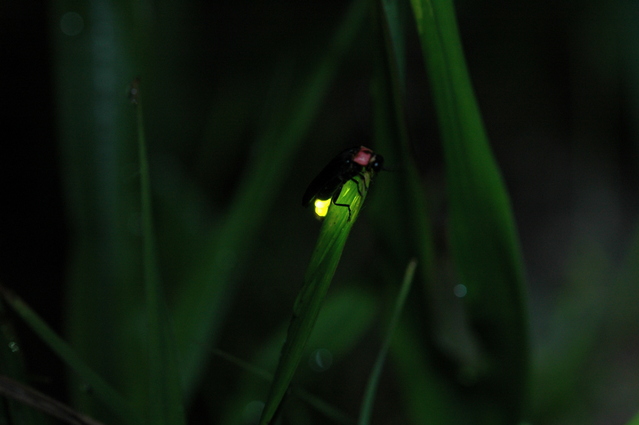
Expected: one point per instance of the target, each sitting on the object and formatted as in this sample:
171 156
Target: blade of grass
483 237
317 280
373 381
203 300
391 126
165 394
99 387
389 91
15 390
393 14
98 150
12 365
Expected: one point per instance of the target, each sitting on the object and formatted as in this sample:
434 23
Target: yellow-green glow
321 207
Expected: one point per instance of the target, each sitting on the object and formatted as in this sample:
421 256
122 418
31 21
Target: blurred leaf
98 150
483 237
589 321
575 327
393 23
165 394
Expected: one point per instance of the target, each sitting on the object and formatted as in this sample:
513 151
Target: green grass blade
204 297
483 238
98 161
393 19
27 396
12 365
391 126
317 280
373 381
99 387
165 395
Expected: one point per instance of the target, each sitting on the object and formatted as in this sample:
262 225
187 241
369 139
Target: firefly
349 165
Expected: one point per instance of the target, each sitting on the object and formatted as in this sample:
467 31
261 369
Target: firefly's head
368 159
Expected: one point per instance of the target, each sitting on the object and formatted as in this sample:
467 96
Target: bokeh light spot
320 360
71 23
460 290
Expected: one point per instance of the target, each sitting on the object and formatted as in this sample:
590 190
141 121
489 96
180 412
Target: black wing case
331 178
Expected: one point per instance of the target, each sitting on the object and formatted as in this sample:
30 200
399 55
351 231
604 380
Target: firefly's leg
336 197
358 182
